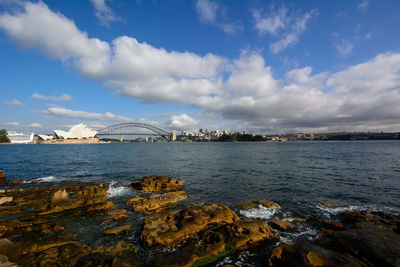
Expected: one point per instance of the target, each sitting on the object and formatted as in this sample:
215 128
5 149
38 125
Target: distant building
45 137
79 131
20 138
173 135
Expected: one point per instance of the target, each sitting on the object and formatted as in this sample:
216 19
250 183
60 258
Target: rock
116 212
172 227
381 219
20 181
134 200
254 203
282 225
60 196
42 245
306 254
5 263
219 243
5 200
36 181
3 179
102 207
118 230
332 225
373 245
157 202
157 183
117 255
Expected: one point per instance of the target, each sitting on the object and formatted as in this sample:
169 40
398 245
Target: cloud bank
243 90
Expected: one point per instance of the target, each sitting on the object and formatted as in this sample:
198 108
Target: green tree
4 137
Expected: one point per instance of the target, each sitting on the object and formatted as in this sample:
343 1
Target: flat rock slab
173 227
219 243
254 203
119 230
156 202
282 225
157 183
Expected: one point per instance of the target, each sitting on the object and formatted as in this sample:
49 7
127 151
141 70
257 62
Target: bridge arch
133 128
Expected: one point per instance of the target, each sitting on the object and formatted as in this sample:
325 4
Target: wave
260 212
117 190
335 211
308 233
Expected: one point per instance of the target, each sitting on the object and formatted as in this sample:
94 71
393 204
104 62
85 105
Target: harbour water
363 175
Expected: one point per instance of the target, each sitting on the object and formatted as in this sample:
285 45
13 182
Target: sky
261 66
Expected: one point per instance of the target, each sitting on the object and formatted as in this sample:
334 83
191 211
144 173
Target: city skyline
263 67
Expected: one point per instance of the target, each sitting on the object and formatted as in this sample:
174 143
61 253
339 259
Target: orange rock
157 183
20 181
116 212
282 225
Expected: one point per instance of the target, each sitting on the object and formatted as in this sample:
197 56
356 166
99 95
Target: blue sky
261 66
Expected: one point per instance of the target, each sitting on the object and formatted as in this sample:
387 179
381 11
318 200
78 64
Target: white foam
334 211
117 190
47 178
260 212
289 237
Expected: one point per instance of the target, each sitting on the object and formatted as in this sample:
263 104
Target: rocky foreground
34 229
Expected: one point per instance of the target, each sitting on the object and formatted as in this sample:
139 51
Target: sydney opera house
79 131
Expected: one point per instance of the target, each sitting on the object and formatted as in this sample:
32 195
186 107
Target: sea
299 175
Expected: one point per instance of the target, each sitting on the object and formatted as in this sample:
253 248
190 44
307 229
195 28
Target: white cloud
287 26
12 123
104 13
344 48
208 13
182 122
243 91
63 97
272 22
36 125
207 10
68 113
363 6
14 102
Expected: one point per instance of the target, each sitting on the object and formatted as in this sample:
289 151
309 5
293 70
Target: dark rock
119 230
374 245
172 227
157 183
3 179
254 203
381 219
309 255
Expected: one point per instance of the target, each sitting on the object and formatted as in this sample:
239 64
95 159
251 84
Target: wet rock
332 225
157 183
102 207
310 255
42 245
381 219
254 203
282 225
120 254
119 230
36 181
19 181
218 243
3 179
373 245
116 212
173 227
332 203
156 202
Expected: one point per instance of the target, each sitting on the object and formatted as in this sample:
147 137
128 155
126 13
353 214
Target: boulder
116 212
119 230
254 203
305 254
282 225
157 183
3 179
219 243
371 244
157 202
332 203
19 181
380 219
173 227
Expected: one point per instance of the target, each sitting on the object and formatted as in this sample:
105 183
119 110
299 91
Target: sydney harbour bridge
132 128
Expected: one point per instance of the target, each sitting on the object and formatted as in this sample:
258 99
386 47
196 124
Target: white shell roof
78 131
